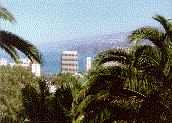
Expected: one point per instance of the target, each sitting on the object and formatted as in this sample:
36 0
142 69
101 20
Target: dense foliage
143 75
138 89
12 81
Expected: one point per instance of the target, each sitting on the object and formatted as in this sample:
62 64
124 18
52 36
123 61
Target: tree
163 41
12 81
143 63
129 60
10 42
5 14
108 85
163 68
105 85
42 106
103 95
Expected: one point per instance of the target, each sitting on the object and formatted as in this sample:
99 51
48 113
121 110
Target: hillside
86 46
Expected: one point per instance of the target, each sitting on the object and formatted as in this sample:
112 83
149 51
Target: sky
54 21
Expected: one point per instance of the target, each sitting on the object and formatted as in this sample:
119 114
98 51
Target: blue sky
48 21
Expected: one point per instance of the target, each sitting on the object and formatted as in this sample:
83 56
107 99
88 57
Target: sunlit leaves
5 14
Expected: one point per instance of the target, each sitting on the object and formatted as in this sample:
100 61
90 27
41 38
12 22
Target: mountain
86 46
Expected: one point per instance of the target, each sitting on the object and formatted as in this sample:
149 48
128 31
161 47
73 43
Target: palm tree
129 60
163 41
163 65
49 107
5 14
97 100
10 42
106 84
43 106
146 60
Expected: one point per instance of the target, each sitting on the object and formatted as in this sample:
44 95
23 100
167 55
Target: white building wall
36 69
127 49
87 64
69 62
114 63
3 61
24 62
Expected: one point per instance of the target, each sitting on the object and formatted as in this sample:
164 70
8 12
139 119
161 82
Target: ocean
52 62
86 47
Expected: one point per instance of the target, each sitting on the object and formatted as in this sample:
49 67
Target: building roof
70 52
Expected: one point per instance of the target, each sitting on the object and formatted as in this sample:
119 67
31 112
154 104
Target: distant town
69 63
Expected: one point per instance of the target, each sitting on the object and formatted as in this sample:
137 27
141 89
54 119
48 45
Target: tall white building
69 62
87 64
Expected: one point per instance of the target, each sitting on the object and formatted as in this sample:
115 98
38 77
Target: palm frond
118 55
158 38
63 93
12 52
31 102
5 14
147 55
155 109
13 41
165 23
154 35
96 104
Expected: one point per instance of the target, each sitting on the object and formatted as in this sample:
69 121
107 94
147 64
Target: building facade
69 62
24 62
87 64
34 67
3 61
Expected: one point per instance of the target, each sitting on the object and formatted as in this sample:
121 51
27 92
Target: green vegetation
5 14
138 89
12 82
25 96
